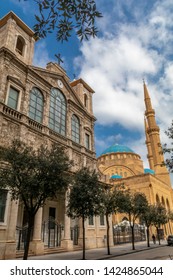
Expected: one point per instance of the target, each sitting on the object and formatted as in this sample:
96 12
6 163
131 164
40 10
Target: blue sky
134 43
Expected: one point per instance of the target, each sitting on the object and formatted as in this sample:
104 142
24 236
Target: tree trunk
133 238
158 235
148 237
108 227
83 226
28 236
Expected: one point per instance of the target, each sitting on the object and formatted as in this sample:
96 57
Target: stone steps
50 250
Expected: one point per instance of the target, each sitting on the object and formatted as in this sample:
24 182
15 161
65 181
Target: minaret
153 142
148 143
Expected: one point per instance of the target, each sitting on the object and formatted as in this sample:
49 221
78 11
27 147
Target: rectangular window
3 198
102 220
91 220
87 141
13 98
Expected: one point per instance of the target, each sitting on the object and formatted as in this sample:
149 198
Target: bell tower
17 37
155 154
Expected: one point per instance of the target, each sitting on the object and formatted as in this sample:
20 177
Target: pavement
100 253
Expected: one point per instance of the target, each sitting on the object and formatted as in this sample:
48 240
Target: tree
109 205
85 197
170 215
33 177
159 218
169 150
133 205
65 17
147 217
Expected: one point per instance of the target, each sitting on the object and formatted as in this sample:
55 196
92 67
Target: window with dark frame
91 220
75 129
57 113
87 141
102 220
13 98
36 105
3 198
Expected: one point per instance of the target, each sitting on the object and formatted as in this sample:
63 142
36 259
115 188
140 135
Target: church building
42 106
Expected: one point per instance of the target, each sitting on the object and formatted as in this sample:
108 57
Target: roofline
12 15
80 80
109 153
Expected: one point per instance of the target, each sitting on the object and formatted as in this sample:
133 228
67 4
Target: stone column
37 245
67 242
10 246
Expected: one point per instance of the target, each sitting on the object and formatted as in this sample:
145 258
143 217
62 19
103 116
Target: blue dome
150 171
116 176
117 149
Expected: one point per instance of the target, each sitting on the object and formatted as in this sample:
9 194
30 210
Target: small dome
116 148
116 176
149 171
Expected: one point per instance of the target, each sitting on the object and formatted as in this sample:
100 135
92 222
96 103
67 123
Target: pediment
58 80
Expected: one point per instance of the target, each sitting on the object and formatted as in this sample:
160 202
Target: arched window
20 44
85 100
75 129
36 105
57 114
124 219
163 202
157 199
167 205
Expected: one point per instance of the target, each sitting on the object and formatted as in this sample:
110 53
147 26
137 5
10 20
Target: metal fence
75 234
21 233
52 233
123 234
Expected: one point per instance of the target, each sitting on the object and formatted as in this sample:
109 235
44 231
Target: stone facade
20 84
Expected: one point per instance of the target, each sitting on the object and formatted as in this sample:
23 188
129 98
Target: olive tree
33 176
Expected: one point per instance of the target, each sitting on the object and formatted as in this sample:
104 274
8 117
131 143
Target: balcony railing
13 113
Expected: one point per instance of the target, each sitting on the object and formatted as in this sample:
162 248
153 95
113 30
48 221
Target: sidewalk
100 253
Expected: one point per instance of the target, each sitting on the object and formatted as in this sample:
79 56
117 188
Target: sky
134 44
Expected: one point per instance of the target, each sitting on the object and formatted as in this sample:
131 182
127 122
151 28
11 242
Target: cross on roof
58 56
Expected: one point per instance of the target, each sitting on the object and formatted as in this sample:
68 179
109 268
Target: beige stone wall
152 187
10 29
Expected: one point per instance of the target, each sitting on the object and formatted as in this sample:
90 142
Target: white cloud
41 54
103 144
115 68
128 51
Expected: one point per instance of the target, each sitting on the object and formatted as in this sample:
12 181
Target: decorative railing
11 112
35 124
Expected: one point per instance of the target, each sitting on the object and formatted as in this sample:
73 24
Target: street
159 253
118 252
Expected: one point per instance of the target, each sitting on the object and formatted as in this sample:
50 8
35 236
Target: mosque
121 164
42 106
